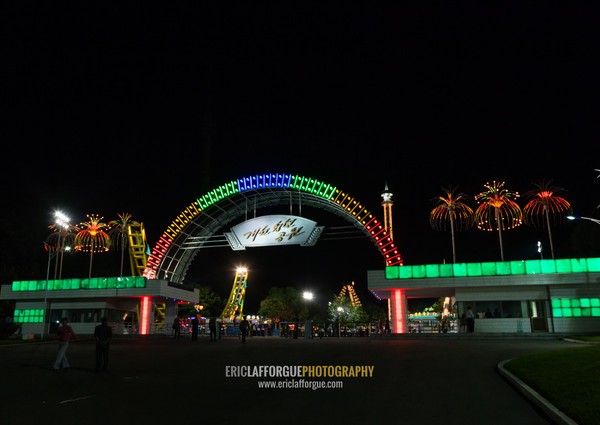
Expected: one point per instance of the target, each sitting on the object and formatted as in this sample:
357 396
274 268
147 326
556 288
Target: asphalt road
162 380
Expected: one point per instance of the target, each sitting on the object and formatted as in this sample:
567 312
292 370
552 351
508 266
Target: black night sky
143 107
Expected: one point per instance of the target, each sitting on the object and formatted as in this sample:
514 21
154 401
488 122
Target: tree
119 233
375 313
282 303
343 311
92 238
497 210
212 304
545 201
451 209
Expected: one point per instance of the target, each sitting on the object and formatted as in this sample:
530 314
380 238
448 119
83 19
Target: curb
548 408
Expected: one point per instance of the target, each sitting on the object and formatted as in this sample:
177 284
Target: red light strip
398 311
145 319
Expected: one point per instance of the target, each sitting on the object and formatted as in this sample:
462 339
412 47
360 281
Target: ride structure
138 249
348 290
235 304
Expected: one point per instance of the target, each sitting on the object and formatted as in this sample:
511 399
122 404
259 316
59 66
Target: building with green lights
555 296
132 305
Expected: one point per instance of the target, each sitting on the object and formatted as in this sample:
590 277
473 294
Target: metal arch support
192 229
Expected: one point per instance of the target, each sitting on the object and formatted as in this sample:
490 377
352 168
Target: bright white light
62 219
340 309
307 295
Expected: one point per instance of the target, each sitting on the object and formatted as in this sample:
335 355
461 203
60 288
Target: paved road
162 380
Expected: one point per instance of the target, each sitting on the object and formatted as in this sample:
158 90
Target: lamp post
64 223
55 245
539 245
340 310
51 254
578 217
308 296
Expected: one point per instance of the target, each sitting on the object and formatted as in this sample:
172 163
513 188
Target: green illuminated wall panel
446 270
29 316
488 269
517 267
498 268
392 272
575 307
548 266
460 270
432 270
474 269
74 284
503 268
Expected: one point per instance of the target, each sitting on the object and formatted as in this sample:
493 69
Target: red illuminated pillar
145 316
398 311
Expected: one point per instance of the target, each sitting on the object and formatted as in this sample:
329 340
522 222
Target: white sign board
271 230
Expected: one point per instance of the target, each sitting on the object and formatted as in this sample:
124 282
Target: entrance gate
192 229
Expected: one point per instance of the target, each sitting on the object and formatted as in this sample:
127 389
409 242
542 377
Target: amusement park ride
235 304
348 290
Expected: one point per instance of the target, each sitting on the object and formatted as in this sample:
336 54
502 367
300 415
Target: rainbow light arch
167 253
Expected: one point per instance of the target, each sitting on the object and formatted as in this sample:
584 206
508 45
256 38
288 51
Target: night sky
142 108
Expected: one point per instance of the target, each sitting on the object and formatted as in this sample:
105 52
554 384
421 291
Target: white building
556 296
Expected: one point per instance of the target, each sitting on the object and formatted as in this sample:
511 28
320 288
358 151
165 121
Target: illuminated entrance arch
190 231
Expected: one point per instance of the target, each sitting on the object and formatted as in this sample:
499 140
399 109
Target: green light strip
29 316
576 307
74 284
499 268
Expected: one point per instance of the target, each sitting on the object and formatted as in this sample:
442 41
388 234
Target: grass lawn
568 378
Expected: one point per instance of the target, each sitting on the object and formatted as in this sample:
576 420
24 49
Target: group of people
66 334
103 335
195 326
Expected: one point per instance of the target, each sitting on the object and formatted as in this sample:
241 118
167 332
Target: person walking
103 335
65 335
212 327
470 320
244 328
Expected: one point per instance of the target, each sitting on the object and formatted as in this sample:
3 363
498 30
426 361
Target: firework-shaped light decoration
497 210
92 237
119 233
451 209
545 201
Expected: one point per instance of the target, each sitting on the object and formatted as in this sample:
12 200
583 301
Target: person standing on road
244 328
470 320
176 327
195 324
65 335
103 335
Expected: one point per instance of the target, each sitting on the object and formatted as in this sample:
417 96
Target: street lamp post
64 224
308 296
340 310
51 253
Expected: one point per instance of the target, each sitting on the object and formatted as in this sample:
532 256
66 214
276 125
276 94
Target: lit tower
397 300
387 211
